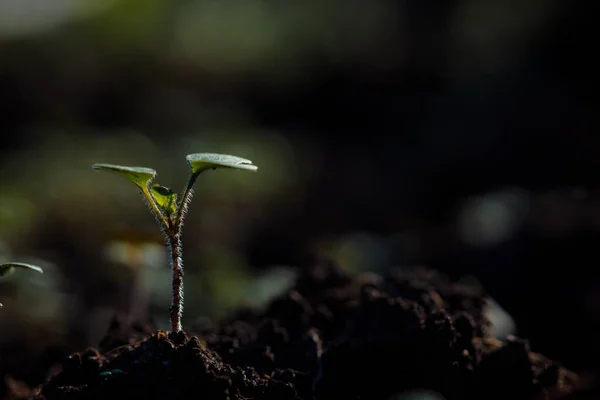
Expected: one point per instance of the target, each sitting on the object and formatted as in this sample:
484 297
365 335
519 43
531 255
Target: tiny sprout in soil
9 268
170 210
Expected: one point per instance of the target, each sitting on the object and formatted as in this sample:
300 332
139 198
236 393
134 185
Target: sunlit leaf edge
141 176
7 268
200 162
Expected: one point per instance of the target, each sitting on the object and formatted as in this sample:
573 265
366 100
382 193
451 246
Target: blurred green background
457 134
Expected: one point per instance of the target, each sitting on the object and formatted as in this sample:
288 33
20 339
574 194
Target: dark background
461 135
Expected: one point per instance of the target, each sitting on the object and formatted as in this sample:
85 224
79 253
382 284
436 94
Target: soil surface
332 336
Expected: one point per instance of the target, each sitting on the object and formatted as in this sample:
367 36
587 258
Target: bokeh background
460 135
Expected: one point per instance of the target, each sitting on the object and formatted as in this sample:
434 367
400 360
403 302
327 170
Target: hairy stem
186 197
177 268
159 215
174 232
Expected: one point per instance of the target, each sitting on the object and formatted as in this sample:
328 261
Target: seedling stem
170 213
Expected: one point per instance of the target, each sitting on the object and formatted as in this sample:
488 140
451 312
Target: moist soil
331 336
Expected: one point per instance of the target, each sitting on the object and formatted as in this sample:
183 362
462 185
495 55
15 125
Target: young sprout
9 268
170 210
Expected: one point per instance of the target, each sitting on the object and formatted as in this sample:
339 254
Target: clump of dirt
331 336
166 366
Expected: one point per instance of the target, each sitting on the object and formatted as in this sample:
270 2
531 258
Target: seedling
170 211
9 268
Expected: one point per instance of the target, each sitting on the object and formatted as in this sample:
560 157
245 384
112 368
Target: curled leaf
200 162
8 268
165 198
141 176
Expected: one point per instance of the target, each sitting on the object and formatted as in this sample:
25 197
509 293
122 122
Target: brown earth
331 336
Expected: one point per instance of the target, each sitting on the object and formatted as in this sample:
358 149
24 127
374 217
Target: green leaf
139 175
165 198
8 268
200 162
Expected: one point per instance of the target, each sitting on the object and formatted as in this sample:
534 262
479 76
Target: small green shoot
165 198
9 268
170 210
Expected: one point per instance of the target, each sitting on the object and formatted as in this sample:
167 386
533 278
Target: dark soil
333 336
